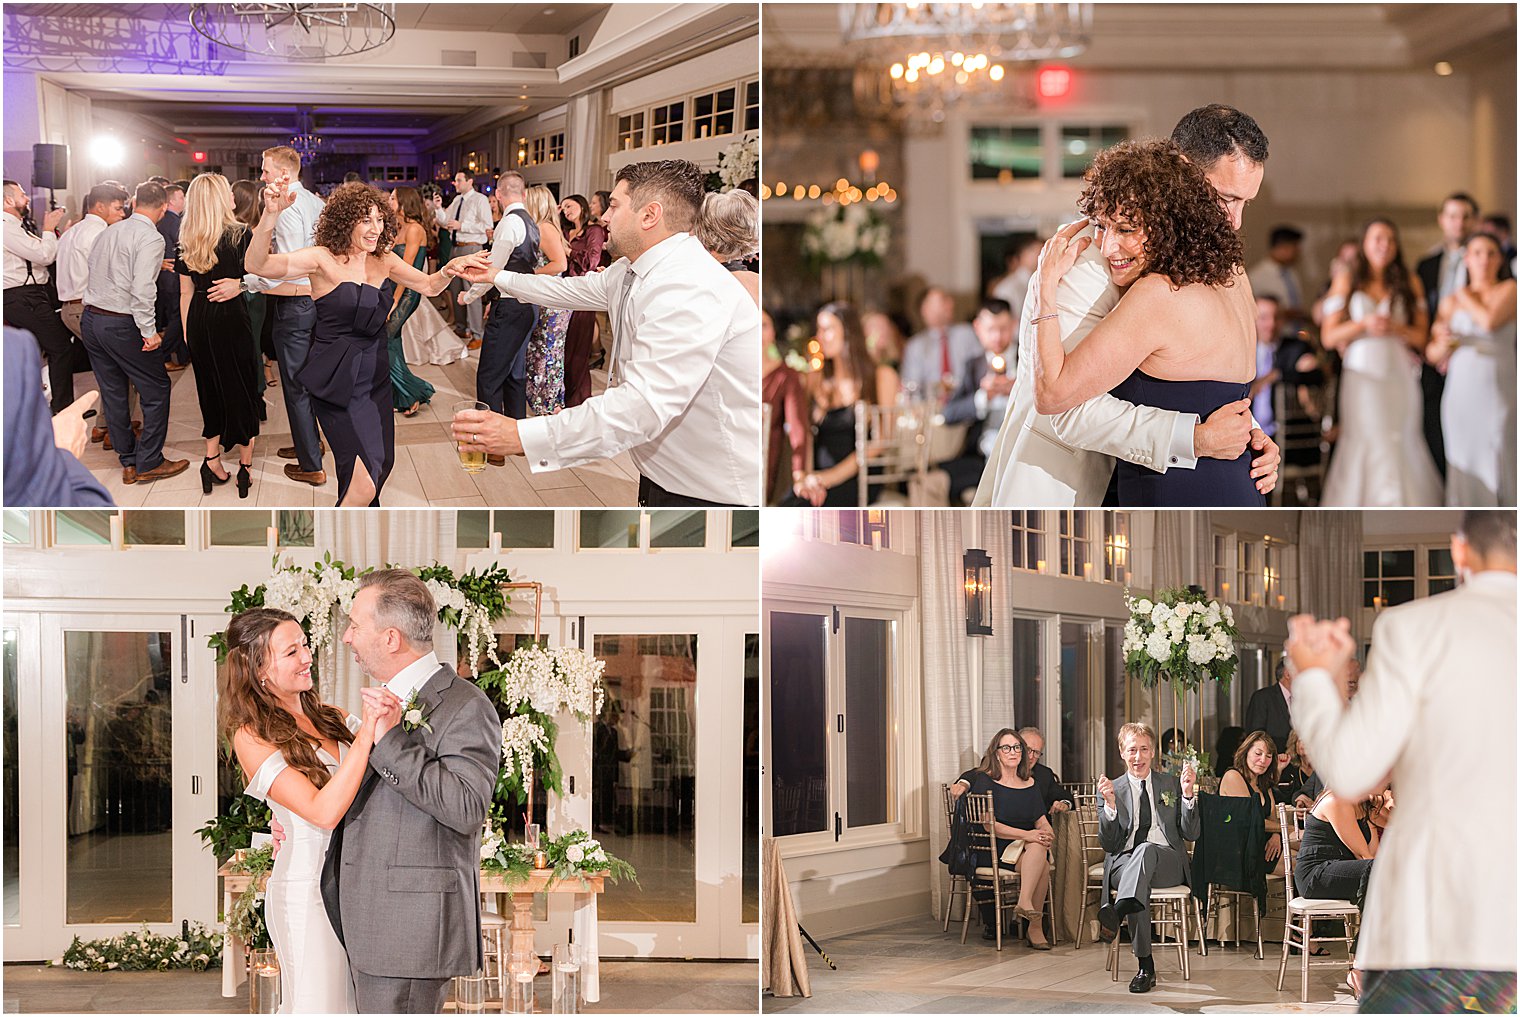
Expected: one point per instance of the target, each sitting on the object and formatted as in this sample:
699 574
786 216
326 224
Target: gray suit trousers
377 994
1135 872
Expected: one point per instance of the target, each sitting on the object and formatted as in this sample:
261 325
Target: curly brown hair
345 209
1188 237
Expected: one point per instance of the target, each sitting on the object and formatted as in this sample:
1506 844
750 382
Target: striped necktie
620 324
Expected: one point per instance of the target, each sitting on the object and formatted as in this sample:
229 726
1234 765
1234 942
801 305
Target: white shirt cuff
1110 812
538 448
503 282
1181 454
979 400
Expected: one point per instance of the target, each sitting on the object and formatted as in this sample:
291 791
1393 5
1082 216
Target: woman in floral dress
546 345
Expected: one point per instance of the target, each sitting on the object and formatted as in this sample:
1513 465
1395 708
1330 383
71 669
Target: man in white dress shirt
27 305
104 204
1276 276
683 393
1436 708
934 360
469 216
1067 459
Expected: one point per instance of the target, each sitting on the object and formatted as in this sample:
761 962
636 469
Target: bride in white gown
307 761
1375 316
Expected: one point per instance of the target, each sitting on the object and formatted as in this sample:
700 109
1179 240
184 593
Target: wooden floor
426 473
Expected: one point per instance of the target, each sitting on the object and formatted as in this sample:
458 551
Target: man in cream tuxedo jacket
1436 709
1065 460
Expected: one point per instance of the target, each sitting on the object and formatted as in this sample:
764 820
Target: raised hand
1058 257
474 268
53 219
1105 790
1326 644
278 196
1189 780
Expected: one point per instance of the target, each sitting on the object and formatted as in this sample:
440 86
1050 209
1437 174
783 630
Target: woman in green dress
412 242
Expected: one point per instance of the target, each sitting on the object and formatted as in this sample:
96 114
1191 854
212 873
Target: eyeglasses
1008 748
1036 752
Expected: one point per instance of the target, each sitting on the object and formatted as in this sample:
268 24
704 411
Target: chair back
979 817
1301 426
948 801
1087 818
891 443
1285 823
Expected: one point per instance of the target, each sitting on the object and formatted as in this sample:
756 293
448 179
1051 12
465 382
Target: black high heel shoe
209 477
244 480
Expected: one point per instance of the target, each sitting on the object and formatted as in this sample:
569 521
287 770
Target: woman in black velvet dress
212 245
353 272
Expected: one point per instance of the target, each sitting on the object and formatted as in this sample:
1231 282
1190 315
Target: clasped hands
382 710
1321 644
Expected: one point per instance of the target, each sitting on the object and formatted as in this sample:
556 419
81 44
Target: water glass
472 455
566 969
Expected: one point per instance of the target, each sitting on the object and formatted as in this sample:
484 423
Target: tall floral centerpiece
1183 639
738 162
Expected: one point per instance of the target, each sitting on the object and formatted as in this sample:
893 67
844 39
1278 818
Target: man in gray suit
401 881
1145 818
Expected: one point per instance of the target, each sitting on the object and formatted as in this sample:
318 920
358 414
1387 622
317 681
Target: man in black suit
1441 272
1268 709
166 307
1056 797
981 398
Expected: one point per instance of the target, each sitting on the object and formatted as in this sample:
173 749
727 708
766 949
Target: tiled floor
627 987
426 471
913 967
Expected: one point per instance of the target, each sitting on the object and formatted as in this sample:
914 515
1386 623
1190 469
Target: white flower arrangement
1181 637
143 950
550 679
738 162
846 233
522 741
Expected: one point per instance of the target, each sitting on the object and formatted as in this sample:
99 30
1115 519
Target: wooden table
585 889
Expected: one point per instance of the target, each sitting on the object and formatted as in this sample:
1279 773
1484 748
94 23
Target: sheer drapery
1184 548
1330 564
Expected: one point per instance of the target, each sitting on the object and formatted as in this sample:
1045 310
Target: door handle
195 784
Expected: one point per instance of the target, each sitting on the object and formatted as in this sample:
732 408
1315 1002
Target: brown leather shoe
496 460
170 365
473 344
289 451
98 435
105 439
316 478
129 474
167 468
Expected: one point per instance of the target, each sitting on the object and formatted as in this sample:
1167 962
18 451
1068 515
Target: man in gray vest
501 382
401 880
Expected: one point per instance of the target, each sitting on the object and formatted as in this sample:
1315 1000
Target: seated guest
1172 740
1145 818
1057 798
849 375
934 359
1020 821
1334 859
1254 775
1225 746
42 449
986 382
729 227
883 338
1296 773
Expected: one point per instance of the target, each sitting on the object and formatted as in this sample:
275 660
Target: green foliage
234 829
243 598
575 855
483 588
142 950
246 919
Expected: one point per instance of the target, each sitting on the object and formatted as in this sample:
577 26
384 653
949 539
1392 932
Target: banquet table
584 923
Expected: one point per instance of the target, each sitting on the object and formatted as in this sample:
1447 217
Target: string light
841 192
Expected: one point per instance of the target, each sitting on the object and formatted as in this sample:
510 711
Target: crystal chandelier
309 31
922 58
306 141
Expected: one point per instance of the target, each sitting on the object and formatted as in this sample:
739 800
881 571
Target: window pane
85 527
1080 144
1398 591
18 526
798 723
609 528
1369 564
1398 563
1369 591
472 528
750 890
868 695
154 527
651 733
745 528
1075 707
1439 559
118 803
1027 654
678 529
1005 153
1442 585
239 528
12 894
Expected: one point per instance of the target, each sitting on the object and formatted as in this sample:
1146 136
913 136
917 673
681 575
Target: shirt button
1174 460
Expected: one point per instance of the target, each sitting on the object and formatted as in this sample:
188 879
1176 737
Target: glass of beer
472 455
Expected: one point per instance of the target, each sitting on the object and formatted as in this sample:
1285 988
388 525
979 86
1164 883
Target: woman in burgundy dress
586 239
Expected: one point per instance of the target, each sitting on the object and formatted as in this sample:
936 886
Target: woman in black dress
1334 859
353 270
1020 821
1254 775
212 245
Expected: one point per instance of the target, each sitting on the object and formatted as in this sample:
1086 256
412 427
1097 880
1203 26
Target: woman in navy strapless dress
353 272
1181 338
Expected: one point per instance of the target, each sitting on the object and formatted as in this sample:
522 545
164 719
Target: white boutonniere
412 716
1168 798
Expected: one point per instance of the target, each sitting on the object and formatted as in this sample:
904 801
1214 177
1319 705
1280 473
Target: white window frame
1022 531
710 120
1050 128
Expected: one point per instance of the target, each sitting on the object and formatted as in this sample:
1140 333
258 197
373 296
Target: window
712 113
677 529
1439 567
1116 547
666 123
1029 540
1274 582
18 526
609 528
557 147
752 105
744 528
1080 143
1005 154
630 133
1387 577
1248 572
393 174
250 527
540 145
1076 544
477 162
1221 590
866 527
518 528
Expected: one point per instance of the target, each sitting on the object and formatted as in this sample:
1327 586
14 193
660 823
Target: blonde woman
212 245
729 227
546 345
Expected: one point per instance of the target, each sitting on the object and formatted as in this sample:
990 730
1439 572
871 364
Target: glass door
122 783
22 902
668 753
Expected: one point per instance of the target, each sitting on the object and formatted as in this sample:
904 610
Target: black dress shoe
1109 918
1144 981
989 933
1127 906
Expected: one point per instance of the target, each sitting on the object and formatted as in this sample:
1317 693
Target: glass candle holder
520 991
263 982
470 993
566 969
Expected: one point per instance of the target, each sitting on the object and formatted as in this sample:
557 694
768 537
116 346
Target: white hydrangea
1159 646
1200 650
1160 614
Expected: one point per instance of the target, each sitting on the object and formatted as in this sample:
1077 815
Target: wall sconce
978 587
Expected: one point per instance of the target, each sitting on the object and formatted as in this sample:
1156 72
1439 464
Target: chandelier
309 31
306 141
922 58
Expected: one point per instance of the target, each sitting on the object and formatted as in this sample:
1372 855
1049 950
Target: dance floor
426 472
913 967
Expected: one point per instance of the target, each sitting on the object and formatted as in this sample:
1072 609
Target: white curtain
376 538
1184 549
995 533
1330 564
586 164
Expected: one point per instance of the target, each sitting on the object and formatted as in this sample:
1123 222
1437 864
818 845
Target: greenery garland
575 855
246 919
144 950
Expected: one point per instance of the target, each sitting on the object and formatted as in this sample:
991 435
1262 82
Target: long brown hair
993 767
1267 782
409 200
248 201
855 359
245 703
1395 278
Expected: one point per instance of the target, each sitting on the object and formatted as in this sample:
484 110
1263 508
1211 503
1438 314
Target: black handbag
958 856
